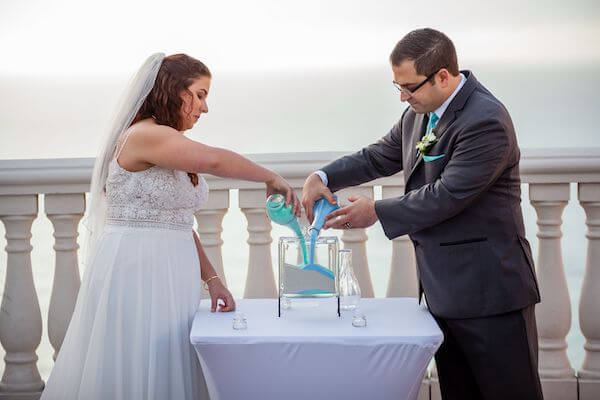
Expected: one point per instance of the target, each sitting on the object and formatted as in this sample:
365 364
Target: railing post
434 383
20 317
65 211
260 281
403 272
554 312
210 227
356 240
589 304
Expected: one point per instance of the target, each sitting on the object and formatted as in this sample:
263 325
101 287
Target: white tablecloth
311 353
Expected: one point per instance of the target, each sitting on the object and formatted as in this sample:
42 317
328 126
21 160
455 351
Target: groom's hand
360 213
312 191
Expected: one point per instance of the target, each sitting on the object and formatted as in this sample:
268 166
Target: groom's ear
444 77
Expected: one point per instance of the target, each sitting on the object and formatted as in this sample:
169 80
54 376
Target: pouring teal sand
281 214
321 209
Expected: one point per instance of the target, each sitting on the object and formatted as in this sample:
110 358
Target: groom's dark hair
431 51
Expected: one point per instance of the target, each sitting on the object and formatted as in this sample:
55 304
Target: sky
68 37
315 72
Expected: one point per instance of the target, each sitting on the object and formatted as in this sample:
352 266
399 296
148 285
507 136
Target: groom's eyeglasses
411 91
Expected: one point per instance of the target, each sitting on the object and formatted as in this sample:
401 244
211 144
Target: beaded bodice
155 197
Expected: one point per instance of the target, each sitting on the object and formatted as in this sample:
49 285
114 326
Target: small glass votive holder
239 321
286 303
359 320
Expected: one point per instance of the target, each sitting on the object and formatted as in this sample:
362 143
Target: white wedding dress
129 334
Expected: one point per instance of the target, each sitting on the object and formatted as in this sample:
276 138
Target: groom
457 147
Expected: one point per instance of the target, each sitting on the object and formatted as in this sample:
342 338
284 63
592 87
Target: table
311 353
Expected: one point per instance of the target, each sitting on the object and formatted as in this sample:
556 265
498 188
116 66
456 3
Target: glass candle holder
359 320
239 321
286 303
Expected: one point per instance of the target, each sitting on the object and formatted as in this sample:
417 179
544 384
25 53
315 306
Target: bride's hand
217 291
279 185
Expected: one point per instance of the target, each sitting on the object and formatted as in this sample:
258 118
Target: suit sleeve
383 158
480 156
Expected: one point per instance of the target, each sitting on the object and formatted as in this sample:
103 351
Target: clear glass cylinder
239 321
297 279
349 288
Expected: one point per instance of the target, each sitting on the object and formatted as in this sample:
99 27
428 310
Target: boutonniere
427 141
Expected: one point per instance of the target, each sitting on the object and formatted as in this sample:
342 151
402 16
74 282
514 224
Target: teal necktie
433 119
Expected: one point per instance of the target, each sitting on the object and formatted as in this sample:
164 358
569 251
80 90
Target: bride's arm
166 147
216 288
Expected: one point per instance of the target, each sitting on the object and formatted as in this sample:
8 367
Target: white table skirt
311 353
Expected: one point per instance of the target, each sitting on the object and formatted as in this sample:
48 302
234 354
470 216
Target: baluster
356 240
434 382
210 227
589 304
64 211
260 281
554 312
20 317
403 272
424 390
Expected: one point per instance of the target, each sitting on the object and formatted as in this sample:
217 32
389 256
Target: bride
129 334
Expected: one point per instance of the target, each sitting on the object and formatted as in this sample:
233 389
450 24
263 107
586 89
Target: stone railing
64 182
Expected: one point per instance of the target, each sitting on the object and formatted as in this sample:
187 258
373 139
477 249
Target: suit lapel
449 116
420 125
418 132
414 167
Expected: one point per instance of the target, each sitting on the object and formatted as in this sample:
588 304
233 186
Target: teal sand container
317 280
305 278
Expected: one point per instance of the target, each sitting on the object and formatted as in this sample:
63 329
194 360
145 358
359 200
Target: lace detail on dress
155 198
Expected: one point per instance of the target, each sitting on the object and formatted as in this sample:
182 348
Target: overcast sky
113 36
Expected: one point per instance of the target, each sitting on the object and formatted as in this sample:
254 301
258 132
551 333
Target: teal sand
281 214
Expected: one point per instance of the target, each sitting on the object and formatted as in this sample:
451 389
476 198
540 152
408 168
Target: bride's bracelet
208 280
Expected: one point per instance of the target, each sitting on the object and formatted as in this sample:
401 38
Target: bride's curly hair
177 72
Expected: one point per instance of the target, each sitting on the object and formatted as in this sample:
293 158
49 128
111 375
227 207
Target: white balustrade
434 383
64 211
260 281
63 182
554 312
403 280
20 317
210 227
589 304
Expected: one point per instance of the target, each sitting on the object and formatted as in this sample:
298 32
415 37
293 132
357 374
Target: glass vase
349 288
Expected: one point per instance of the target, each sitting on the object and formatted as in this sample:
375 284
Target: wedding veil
132 99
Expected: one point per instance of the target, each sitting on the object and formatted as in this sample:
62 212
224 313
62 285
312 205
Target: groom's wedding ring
347 225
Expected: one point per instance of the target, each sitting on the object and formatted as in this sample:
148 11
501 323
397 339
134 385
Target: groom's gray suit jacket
462 209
